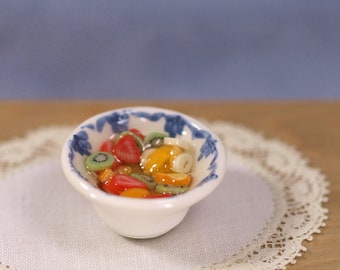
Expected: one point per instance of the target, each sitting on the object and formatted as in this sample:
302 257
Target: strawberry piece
116 164
137 132
107 146
120 183
126 150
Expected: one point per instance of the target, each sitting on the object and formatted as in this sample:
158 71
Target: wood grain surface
312 127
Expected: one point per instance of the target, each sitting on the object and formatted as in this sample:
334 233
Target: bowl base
140 226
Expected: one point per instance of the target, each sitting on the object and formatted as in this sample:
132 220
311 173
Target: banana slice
182 163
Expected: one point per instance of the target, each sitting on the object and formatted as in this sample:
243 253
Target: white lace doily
298 190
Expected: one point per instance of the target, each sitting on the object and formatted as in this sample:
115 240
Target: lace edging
299 190
299 193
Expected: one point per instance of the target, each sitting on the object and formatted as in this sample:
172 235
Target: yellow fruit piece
174 179
126 170
144 157
135 193
161 159
105 175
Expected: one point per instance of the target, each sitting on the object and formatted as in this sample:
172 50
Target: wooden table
313 127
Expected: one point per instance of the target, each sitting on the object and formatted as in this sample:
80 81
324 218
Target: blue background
170 49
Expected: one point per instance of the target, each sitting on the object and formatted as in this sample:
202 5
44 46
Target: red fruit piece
126 150
116 164
107 146
137 132
120 183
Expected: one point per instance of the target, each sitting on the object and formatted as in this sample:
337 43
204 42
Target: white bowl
143 218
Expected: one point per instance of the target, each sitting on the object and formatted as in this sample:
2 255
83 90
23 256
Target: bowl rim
181 201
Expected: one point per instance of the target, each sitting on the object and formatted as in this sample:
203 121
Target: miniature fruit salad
132 164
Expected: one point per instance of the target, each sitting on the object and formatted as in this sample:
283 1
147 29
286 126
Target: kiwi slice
154 139
98 161
167 189
145 178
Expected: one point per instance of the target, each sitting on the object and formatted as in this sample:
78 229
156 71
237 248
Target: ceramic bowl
134 217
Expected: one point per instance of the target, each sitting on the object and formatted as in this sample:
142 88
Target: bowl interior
207 149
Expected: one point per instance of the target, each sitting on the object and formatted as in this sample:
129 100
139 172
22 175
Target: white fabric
45 224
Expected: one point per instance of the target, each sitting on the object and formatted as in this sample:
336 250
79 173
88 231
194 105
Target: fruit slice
123 169
182 163
120 183
155 195
137 132
135 193
137 139
173 179
127 150
157 160
105 175
107 146
167 189
144 156
117 164
99 161
154 139
145 178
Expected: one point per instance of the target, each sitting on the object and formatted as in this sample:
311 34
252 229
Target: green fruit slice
154 139
167 189
145 178
98 161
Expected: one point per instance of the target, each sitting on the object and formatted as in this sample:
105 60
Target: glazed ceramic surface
143 218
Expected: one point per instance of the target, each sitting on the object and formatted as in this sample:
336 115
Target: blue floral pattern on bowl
174 125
